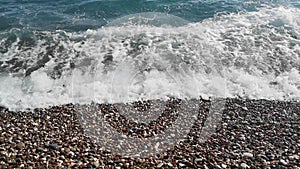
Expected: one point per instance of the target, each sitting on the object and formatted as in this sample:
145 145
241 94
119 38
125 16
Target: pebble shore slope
251 134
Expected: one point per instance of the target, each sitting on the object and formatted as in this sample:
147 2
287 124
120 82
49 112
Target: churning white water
250 55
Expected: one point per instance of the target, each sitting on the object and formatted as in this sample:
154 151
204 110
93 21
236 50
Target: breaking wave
252 55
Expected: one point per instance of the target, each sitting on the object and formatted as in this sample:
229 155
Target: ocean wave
247 54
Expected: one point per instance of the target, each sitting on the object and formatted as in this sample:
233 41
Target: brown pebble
20 145
67 150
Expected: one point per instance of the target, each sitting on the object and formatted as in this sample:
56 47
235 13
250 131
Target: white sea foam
251 55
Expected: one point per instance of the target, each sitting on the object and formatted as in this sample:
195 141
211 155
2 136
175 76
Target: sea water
60 52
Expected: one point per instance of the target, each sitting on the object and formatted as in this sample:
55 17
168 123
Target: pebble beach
251 134
208 84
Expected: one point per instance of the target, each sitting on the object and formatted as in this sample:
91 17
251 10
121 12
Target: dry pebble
250 155
251 134
243 165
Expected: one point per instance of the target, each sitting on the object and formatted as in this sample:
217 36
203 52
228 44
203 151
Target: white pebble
250 155
181 164
243 137
244 165
160 165
283 162
294 157
170 164
245 108
44 158
96 162
71 153
198 159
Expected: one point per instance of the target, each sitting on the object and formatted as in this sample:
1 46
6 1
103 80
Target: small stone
3 166
244 165
170 164
96 163
79 163
67 150
205 167
181 164
20 145
224 165
54 146
205 97
1 140
243 137
141 160
274 162
2 158
250 155
283 162
198 159
266 163
294 157
4 153
71 153
41 149
68 161
160 165
62 157
245 108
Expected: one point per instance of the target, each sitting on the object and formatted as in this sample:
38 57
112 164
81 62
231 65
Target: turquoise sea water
79 15
255 42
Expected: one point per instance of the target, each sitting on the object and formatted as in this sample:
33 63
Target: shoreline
251 133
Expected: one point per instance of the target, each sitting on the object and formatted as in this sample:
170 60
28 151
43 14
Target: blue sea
78 15
59 52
